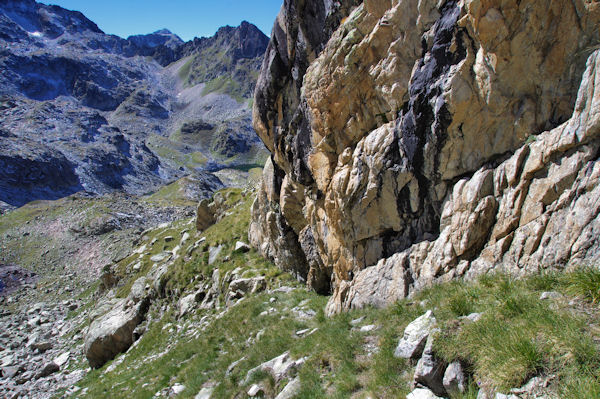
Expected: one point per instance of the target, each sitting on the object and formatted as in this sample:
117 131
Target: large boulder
240 287
454 380
112 333
248 285
430 370
189 302
280 367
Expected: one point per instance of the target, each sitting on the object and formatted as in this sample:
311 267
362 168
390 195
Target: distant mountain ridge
107 113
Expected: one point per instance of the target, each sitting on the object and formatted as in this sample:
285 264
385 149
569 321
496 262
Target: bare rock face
414 142
269 231
205 216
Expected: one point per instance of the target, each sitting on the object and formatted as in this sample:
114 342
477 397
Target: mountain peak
162 37
52 21
163 31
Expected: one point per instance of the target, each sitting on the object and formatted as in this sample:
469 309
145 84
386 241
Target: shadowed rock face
96 112
39 173
390 124
299 35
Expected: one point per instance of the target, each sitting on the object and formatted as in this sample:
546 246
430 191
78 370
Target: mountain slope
219 321
434 168
107 112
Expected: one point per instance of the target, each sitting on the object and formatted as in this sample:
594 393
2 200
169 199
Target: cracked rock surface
422 141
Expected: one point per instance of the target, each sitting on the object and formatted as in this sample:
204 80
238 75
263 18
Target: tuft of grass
583 282
546 280
581 386
519 335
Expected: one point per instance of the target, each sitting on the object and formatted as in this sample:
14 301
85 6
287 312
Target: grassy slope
172 194
519 335
214 66
39 234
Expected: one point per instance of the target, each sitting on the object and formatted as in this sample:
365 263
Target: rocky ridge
427 141
87 111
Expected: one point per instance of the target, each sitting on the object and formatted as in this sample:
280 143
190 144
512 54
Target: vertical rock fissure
421 127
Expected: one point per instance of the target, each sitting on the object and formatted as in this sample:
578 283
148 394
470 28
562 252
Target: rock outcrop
415 142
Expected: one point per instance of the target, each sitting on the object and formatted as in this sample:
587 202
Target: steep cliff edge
415 142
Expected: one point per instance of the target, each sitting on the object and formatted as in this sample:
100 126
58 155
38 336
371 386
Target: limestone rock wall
414 141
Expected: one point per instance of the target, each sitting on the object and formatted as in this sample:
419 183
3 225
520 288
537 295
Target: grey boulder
205 393
241 247
112 333
415 335
291 390
430 370
454 379
49 368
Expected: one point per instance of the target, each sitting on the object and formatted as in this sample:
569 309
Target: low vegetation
518 336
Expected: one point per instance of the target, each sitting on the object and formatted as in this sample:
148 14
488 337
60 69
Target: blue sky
186 18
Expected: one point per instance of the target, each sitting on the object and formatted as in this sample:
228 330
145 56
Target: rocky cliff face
83 110
414 142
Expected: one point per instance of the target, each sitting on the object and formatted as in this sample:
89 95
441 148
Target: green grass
156 243
231 228
215 67
332 350
224 85
517 337
184 71
248 167
255 174
584 283
37 235
193 150
331 366
172 194
173 151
